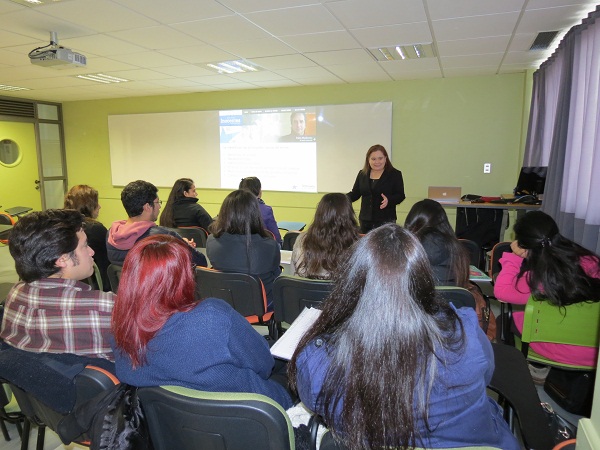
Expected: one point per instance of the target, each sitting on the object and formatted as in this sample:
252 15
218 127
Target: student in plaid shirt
50 309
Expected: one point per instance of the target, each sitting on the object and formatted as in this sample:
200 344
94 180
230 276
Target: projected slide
279 145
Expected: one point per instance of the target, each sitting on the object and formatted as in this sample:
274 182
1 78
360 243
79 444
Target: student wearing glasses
141 202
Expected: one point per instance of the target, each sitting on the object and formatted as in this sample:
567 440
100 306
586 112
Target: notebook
445 194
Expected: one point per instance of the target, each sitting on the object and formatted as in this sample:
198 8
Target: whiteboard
162 147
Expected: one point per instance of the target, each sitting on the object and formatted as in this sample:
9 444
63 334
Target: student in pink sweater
545 264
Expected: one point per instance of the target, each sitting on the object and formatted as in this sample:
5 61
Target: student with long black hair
545 264
390 365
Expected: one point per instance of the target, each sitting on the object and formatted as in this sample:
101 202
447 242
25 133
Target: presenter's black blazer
390 184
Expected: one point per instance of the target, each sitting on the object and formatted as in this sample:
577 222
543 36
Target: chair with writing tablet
114 276
289 239
198 234
292 294
245 293
474 251
188 419
459 297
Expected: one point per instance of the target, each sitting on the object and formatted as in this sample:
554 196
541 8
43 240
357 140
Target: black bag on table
572 390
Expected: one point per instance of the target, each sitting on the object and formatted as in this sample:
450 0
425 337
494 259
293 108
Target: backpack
113 420
487 319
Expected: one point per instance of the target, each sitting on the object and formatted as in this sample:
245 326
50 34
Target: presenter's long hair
428 219
377 148
157 281
553 262
333 231
166 216
384 325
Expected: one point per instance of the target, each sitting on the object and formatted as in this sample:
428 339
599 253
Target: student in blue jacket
390 365
163 336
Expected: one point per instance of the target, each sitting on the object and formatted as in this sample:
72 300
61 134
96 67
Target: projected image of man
298 127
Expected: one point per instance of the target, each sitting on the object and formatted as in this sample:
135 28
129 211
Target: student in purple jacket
253 185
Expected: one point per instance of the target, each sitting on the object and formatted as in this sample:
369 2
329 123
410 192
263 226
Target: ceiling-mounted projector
56 56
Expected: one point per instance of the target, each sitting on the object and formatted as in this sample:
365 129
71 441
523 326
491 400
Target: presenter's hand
514 246
190 242
384 202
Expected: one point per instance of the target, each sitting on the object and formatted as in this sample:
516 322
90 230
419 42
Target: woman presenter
381 188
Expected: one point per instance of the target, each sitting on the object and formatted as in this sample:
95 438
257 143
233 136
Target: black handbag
560 429
572 390
113 420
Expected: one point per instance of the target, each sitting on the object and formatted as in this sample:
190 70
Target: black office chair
474 252
114 276
89 383
519 398
243 292
289 239
198 234
9 411
292 294
187 419
458 296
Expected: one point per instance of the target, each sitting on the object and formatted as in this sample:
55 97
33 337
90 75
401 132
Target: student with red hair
163 336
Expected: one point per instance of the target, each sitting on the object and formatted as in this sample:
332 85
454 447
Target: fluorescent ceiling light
400 52
233 67
5 87
102 78
32 3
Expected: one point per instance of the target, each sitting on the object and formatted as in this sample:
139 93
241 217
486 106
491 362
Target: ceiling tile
215 31
292 21
101 16
198 54
444 9
315 42
410 65
283 62
362 14
359 73
410 33
358 56
469 71
492 59
493 44
474 27
255 48
548 19
139 74
101 44
179 11
245 6
183 71
148 59
156 38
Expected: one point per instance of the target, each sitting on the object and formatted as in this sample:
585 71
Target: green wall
444 130
17 183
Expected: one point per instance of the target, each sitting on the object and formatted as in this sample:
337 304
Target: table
505 207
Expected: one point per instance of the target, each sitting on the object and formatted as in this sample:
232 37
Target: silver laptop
445 194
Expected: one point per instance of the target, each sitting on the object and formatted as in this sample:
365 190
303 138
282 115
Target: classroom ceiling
163 46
